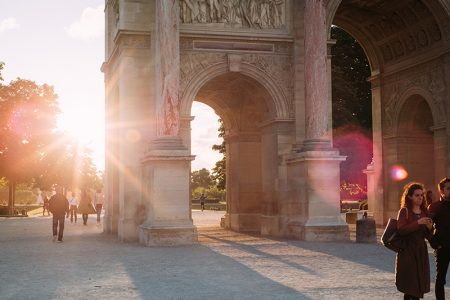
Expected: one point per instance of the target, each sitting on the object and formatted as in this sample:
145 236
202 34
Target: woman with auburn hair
412 268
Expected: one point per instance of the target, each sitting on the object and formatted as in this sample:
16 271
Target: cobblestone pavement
224 265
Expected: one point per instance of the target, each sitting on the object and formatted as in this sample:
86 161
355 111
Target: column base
270 225
320 233
245 222
160 235
127 231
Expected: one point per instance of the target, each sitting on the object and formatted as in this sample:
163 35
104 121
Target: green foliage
70 165
351 92
27 120
23 196
201 179
212 193
3 183
219 171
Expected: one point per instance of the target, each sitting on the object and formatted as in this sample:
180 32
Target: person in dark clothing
412 268
202 201
440 213
58 206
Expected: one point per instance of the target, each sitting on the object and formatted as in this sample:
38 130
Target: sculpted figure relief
260 14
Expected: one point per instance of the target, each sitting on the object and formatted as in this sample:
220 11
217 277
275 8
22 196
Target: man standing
58 206
440 213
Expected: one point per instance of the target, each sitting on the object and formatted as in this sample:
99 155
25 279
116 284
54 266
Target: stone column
166 165
376 167
314 167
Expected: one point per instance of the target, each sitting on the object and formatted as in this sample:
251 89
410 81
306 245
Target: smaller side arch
438 119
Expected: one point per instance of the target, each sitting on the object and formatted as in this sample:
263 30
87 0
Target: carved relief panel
233 14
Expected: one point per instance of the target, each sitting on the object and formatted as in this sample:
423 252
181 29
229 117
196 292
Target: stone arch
388 39
279 108
407 95
414 139
439 8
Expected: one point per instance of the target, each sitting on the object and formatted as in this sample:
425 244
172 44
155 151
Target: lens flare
398 173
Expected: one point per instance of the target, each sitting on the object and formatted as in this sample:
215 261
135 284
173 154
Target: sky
61 43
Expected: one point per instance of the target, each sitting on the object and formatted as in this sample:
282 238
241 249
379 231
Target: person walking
98 201
58 206
412 268
73 202
440 213
202 201
85 208
45 206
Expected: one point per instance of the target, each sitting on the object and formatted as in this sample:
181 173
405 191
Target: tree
219 171
351 93
201 178
27 120
69 165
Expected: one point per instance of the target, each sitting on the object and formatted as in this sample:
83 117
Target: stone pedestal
166 179
315 184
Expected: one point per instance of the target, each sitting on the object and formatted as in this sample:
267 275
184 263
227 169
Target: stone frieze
257 14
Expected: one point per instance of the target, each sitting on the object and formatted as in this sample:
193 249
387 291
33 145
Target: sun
87 128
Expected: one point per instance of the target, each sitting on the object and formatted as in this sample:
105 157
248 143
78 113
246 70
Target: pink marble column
167 61
316 82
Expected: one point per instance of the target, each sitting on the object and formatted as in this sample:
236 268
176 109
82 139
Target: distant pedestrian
85 208
412 268
202 201
46 205
98 201
73 202
58 206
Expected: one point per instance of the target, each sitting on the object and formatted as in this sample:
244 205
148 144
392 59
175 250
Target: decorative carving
398 48
408 15
410 43
192 64
167 66
276 67
429 79
115 6
260 14
434 32
422 38
387 52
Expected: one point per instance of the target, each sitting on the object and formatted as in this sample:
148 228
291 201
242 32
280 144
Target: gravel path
224 265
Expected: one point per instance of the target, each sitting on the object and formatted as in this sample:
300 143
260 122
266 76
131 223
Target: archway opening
243 105
352 116
208 193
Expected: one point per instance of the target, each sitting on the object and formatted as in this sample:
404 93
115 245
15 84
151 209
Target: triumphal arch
264 67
